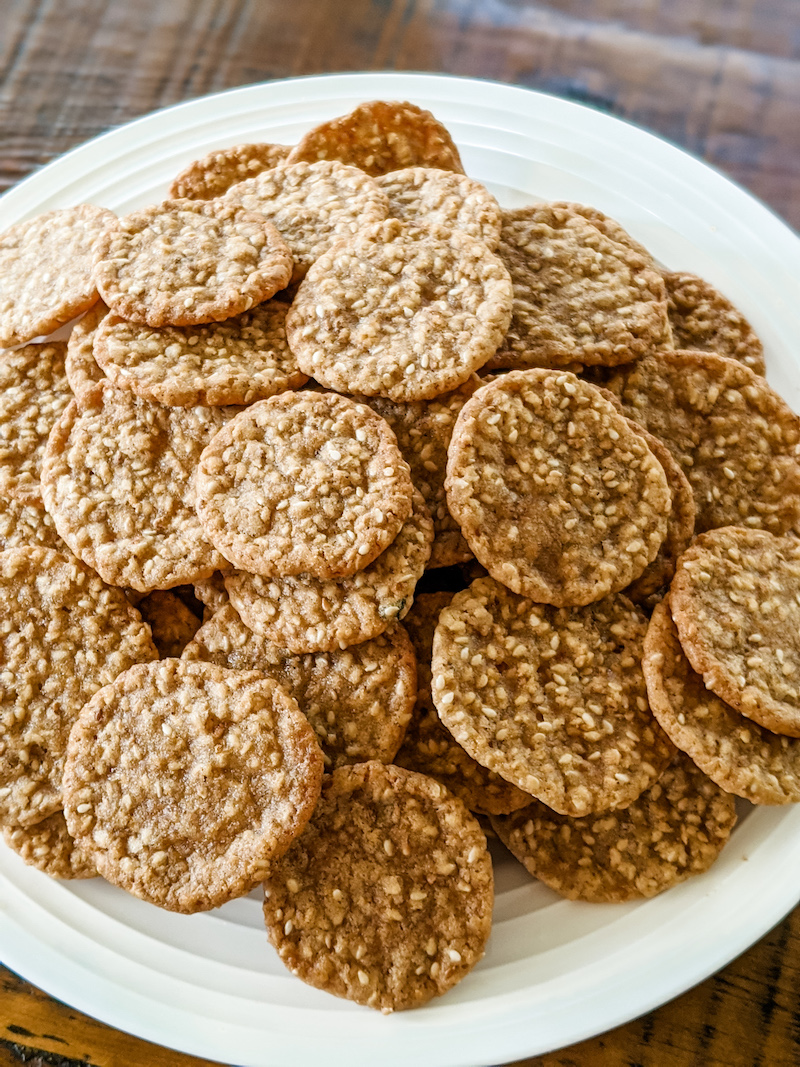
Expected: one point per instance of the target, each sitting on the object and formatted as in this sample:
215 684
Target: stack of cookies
428 472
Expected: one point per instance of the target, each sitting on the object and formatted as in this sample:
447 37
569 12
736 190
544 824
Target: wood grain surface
720 77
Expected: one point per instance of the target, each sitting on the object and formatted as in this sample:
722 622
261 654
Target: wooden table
720 77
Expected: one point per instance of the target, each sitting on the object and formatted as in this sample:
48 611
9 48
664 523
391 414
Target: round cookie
552 699
185 262
702 318
736 440
215 173
735 600
80 365
382 136
119 481
183 780
579 295
65 634
27 525
738 754
422 196
238 361
680 525
33 393
428 747
423 429
400 312
49 847
46 271
674 830
308 614
312 205
557 497
172 623
303 483
386 898
358 700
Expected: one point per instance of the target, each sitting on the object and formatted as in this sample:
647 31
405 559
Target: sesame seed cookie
185 262
172 623
735 752
216 172
80 365
735 600
386 898
211 593
358 700
46 271
680 525
49 847
736 440
27 525
608 226
34 392
579 296
423 429
552 699
382 136
119 481
674 830
422 196
183 780
702 318
65 634
400 312
303 483
557 497
312 205
428 747
308 614
237 361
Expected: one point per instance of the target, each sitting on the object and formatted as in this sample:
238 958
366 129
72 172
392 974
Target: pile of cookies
356 509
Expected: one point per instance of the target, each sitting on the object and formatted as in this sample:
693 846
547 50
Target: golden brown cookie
119 481
423 429
216 172
185 262
738 754
557 497
735 600
33 393
401 312
382 136
46 271
80 365
312 205
237 361
674 830
27 525
386 898
702 318
303 483
736 440
308 614
552 699
183 780
428 747
423 196
579 295
358 700
680 526
49 847
65 634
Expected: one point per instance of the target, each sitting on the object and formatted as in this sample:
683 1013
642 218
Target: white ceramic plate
555 972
